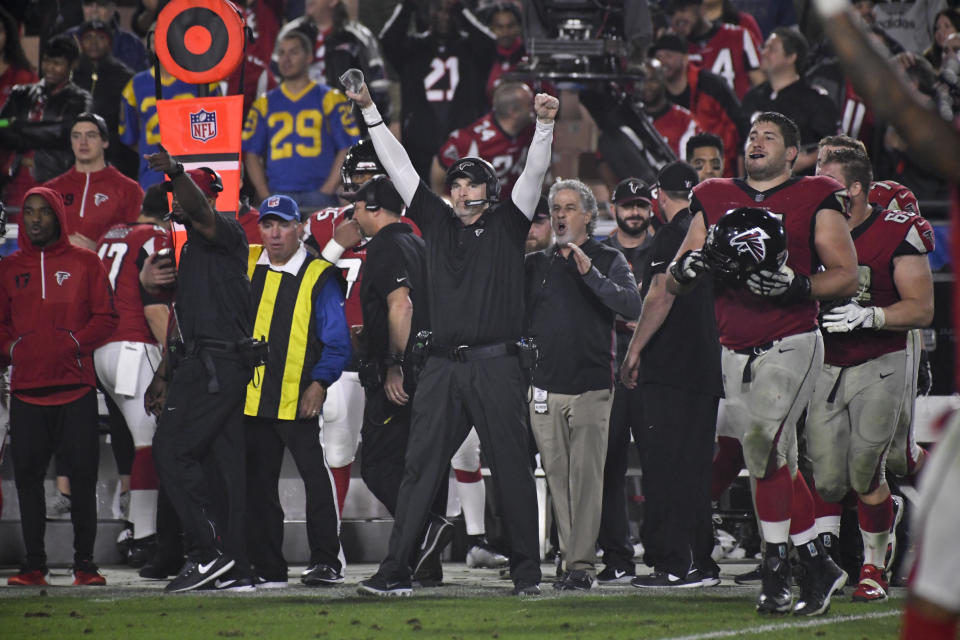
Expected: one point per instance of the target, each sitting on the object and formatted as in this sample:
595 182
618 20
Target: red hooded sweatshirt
56 307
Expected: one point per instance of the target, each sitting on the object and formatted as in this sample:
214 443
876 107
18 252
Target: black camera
370 374
527 353
253 352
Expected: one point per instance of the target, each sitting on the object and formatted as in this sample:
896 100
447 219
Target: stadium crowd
416 280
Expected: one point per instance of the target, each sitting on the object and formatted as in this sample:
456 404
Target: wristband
879 318
176 172
332 252
830 8
395 359
375 124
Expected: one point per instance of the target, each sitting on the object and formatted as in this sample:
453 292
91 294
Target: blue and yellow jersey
299 135
139 124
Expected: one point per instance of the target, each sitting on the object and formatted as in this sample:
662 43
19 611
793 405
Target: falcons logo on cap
634 187
751 242
463 166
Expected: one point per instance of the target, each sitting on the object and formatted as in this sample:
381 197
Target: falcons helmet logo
751 242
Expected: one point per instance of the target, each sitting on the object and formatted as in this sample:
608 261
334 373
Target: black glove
688 267
924 375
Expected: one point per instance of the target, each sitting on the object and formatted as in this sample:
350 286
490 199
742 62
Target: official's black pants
626 415
266 439
451 396
71 431
197 426
677 445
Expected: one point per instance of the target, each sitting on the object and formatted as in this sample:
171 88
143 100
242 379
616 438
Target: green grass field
308 614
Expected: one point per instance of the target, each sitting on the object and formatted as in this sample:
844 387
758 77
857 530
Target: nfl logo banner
203 125
205 132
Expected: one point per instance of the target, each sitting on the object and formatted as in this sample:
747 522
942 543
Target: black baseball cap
542 212
631 190
378 191
95 25
670 42
677 176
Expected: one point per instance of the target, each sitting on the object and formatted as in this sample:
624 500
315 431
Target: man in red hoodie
55 309
96 196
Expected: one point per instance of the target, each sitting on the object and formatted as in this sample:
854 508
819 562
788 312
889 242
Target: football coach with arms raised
475 285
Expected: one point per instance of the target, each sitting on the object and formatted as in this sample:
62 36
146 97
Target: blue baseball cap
284 207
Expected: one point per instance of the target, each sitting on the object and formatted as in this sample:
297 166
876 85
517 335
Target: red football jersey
856 118
747 320
320 227
95 202
889 194
878 240
677 125
485 139
728 51
123 248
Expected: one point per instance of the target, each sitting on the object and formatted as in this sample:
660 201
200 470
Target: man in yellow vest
299 302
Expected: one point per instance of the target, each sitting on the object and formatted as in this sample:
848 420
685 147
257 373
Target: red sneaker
872 587
88 574
29 578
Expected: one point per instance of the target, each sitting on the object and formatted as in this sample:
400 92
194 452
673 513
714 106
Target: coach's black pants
266 439
677 451
626 415
195 427
451 396
70 431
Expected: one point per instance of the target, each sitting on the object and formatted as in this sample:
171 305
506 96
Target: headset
217 184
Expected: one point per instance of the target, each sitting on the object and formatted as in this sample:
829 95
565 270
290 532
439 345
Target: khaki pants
572 439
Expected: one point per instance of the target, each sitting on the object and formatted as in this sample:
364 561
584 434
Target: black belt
758 350
193 347
468 353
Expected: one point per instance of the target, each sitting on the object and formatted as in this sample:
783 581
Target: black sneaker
428 570
526 589
272 583
160 569
196 574
615 575
775 596
141 550
703 578
664 579
558 583
321 575
820 579
237 584
576 580
750 577
379 586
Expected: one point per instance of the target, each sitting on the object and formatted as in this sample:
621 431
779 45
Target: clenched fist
546 107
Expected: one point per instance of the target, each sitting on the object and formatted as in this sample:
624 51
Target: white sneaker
58 507
483 556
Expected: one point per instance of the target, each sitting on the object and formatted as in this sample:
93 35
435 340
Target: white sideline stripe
787 625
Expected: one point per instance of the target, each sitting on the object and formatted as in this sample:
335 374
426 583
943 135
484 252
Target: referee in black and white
475 283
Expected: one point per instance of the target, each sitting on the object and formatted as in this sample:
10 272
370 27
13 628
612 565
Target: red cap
208 181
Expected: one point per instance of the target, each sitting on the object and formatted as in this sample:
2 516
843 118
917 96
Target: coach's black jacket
571 317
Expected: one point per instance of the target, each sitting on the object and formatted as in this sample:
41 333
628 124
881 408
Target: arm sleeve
333 332
617 289
526 193
103 318
396 161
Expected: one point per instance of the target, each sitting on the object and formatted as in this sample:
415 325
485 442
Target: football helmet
360 158
743 241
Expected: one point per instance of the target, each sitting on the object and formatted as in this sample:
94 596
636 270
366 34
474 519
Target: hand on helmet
852 316
783 285
689 266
